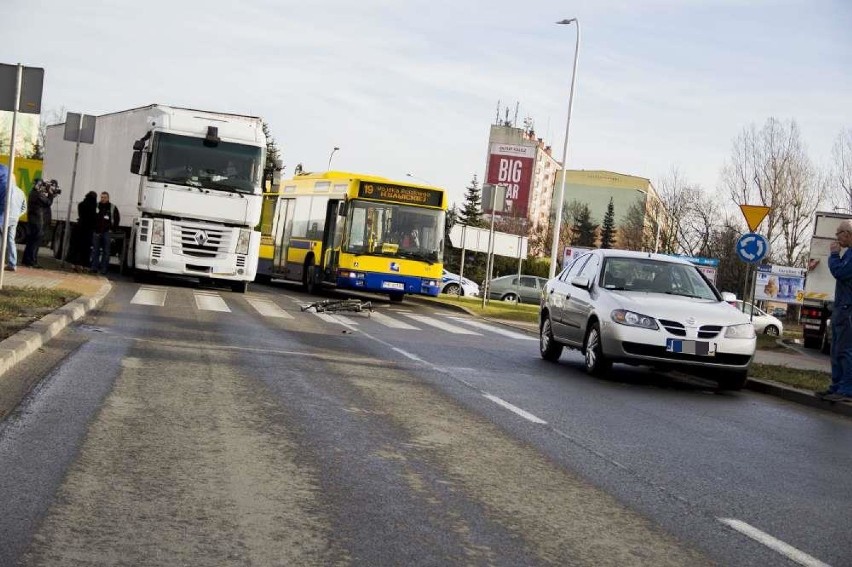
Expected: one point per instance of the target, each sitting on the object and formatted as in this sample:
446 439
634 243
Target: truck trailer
187 184
818 300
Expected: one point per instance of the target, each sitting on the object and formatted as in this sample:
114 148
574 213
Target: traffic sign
754 215
752 247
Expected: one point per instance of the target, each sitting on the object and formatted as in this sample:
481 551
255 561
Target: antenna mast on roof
497 117
515 119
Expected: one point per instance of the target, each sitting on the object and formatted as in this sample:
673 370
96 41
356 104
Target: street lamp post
331 156
557 226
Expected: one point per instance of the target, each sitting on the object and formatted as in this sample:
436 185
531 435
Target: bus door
335 216
282 229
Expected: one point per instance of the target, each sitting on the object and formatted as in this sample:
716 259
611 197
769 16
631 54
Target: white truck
818 300
187 184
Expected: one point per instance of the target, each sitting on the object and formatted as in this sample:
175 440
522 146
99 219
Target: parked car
455 285
779 312
520 289
764 323
644 309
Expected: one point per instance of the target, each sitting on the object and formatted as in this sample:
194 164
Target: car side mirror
581 282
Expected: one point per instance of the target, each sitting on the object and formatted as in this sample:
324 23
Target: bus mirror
341 208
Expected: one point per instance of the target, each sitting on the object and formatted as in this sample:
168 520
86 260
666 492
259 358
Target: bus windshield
398 231
185 160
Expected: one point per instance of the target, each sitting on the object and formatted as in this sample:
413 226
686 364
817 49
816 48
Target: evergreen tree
608 228
273 156
471 213
37 151
583 230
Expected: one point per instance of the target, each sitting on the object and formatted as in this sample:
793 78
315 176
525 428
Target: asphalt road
185 425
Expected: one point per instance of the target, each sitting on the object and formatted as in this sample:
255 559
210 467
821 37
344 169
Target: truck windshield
185 160
399 231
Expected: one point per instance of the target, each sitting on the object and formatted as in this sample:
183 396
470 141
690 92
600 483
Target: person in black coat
81 245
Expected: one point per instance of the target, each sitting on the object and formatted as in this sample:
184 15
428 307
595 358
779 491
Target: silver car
517 289
644 309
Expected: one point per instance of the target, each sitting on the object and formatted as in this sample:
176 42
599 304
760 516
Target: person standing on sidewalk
17 207
81 235
841 318
38 205
106 221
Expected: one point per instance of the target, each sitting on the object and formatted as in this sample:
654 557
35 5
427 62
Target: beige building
595 188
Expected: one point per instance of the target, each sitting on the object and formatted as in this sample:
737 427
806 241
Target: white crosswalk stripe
150 296
267 308
493 329
391 322
210 301
443 325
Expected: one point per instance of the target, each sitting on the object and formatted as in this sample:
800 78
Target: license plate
393 285
700 348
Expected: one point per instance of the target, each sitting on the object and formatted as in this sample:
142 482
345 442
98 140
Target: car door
528 289
558 294
578 305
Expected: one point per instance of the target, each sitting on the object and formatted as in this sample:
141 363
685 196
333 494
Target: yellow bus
354 231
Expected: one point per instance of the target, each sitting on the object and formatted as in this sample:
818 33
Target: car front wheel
453 289
511 298
547 345
596 363
771 330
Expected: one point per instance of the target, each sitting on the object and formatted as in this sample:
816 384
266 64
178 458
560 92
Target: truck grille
200 241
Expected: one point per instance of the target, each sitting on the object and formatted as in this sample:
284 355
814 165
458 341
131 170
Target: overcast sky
412 86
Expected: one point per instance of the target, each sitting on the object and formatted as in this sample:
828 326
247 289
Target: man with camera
38 216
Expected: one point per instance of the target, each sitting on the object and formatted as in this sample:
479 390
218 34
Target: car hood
677 308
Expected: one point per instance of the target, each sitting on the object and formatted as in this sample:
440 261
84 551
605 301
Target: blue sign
752 247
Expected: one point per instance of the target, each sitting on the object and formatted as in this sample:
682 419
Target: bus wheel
396 297
309 282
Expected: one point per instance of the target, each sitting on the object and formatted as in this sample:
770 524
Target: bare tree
631 232
841 169
769 167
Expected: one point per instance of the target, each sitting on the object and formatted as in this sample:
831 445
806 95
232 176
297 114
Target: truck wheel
812 342
58 237
239 287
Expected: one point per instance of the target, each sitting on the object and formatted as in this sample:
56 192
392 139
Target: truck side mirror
136 162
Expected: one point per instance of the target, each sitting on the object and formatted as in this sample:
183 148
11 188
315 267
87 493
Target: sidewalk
92 289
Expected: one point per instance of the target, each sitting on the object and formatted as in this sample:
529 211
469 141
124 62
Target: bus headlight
243 241
158 232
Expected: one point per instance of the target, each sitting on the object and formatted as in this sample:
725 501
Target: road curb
19 346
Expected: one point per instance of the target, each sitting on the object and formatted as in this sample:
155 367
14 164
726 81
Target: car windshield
655 276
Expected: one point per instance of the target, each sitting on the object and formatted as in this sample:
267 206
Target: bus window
357 229
268 214
316 224
301 216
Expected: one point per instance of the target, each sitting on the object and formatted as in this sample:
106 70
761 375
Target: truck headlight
158 232
743 331
243 241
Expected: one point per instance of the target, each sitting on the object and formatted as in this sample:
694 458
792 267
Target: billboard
511 165
782 284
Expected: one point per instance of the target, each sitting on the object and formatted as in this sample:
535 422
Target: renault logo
201 237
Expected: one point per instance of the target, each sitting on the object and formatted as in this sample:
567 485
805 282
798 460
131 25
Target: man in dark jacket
106 221
38 216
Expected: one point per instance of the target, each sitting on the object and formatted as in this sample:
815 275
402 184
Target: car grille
678 329
661 352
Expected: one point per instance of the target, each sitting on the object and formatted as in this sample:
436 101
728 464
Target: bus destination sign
400 194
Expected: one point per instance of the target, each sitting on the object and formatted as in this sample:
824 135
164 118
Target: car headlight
742 331
633 319
158 232
243 241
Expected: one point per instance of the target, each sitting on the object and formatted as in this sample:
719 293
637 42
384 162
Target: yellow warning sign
754 215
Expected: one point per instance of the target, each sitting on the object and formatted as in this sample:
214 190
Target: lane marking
336 319
408 355
493 329
150 296
524 414
208 301
268 308
775 544
456 330
391 322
